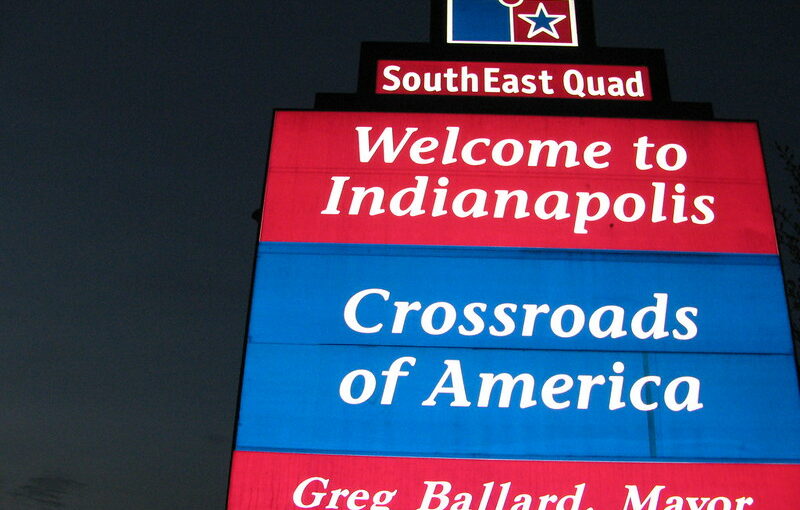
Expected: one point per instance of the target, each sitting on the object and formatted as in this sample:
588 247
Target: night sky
133 141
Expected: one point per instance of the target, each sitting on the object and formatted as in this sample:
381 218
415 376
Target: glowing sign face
527 182
525 22
519 299
435 288
332 481
554 81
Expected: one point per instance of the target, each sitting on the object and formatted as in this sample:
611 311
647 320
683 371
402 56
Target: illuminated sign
556 81
434 288
514 181
592 306
507 403
344 482
519 299
526 22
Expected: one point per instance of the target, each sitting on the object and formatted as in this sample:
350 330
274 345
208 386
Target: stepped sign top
515 22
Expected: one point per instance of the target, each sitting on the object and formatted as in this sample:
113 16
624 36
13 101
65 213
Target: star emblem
542 21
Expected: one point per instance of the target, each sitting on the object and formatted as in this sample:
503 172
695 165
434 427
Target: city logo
526 22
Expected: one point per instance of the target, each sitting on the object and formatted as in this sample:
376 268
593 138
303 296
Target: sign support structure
510 273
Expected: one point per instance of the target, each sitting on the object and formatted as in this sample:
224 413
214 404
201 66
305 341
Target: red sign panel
508 181
291 481
555 81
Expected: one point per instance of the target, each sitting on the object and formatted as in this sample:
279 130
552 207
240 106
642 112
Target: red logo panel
542 22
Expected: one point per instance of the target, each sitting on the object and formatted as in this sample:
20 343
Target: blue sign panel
518 404
518 298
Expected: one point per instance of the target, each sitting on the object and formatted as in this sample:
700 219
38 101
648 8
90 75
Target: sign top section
537 57
514 22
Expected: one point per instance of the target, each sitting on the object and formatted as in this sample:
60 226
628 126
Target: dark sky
133 140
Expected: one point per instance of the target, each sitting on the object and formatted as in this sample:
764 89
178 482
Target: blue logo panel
490 403
518 298
480 20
